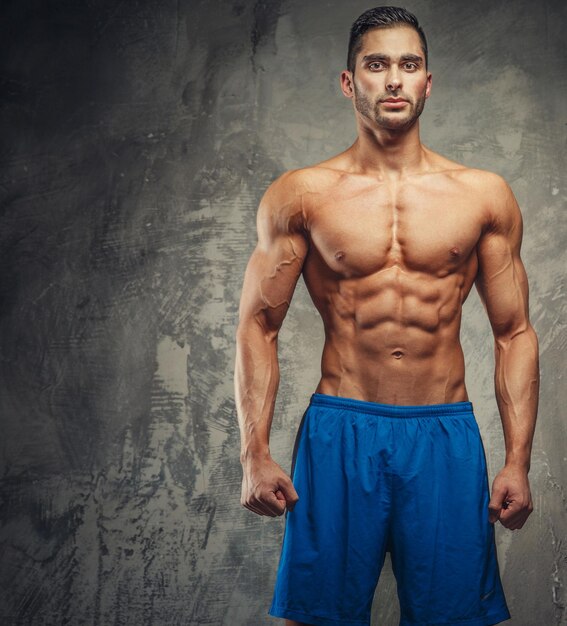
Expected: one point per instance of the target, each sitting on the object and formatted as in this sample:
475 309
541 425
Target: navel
397 354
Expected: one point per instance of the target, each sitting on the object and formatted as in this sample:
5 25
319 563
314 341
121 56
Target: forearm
517 393
256 380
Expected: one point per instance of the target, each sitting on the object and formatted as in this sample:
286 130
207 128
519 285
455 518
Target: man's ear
347 83
428 86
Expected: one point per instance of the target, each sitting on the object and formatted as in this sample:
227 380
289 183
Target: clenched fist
266 488
511 500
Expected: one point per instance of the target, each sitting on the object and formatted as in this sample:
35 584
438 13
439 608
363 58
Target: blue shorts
372 478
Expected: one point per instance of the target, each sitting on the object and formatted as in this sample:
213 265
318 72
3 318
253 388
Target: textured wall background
137 139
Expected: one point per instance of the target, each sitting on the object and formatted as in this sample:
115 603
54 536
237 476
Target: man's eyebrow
378 56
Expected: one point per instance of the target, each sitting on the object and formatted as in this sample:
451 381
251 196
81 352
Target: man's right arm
269 282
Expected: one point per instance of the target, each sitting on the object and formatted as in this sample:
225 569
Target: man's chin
395 123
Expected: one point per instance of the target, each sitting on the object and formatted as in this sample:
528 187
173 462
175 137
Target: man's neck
388 154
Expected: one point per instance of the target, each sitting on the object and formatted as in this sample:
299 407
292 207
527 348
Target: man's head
381 17
387 76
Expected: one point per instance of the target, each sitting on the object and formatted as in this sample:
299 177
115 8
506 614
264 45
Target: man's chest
358 232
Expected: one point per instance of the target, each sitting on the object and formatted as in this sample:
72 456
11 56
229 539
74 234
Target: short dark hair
381 17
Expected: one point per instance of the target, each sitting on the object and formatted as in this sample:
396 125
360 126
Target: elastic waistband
392 410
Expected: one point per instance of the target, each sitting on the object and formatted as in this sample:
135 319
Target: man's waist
392 410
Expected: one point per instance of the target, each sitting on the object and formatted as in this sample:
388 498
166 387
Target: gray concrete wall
137 140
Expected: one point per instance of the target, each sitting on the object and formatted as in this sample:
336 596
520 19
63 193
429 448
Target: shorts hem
317 620
486 620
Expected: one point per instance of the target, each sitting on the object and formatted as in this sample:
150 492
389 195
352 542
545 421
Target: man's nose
393 79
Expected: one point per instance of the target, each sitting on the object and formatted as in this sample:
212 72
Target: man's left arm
503 288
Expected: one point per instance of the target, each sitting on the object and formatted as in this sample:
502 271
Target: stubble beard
398 120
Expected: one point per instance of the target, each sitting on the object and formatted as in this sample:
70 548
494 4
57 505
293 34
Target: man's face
391 83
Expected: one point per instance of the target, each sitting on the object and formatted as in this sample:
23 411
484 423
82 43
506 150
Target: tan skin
390 238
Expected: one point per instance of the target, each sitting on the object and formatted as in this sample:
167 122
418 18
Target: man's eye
411 66
375 65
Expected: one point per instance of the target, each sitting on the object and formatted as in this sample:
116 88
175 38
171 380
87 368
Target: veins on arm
281 251
503 288
274 291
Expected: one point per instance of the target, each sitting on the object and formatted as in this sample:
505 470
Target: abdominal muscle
392 337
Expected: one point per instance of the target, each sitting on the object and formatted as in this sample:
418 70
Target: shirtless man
390 238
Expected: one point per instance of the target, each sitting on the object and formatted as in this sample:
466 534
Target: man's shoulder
282 207
493 191
499 207
310 178
482 181
490 192
479 179
287 191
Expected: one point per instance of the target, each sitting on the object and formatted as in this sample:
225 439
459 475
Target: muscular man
390 238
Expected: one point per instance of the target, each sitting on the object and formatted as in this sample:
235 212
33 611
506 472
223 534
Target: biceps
270 279
503 287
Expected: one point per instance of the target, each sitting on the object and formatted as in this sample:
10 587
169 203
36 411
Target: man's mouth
394 103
